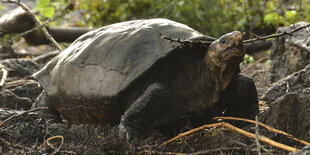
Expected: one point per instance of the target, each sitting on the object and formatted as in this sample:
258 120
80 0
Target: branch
15 146
259 146
4 73
229 126
277 35
257 139
49 146
193 131
265 126
22 113
253 64
187 42
262 138
32 30
257 38
47 35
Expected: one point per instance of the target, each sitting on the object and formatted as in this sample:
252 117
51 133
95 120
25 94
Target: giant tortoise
127 74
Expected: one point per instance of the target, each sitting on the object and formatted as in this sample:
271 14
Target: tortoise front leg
240 98
148 108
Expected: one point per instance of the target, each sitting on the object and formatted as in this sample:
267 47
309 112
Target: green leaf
273 18
248 59
290 15
47 12
269 18
268 52
268 63
43 3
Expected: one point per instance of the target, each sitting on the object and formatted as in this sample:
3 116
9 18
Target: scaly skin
214 74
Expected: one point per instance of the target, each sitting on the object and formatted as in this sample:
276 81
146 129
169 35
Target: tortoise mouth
232 54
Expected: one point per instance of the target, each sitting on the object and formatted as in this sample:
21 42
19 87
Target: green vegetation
248 59
45 9
207 16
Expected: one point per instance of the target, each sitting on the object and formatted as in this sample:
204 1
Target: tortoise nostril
238 35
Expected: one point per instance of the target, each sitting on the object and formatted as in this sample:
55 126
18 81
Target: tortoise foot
129 132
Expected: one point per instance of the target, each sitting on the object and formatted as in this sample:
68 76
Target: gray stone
292 83
11 101
289 101
31 90
291 113
20 67
290 53
289 97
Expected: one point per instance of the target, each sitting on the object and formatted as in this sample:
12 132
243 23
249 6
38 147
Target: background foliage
211 17
207 16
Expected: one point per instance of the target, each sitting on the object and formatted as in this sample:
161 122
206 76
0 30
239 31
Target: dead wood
22 113
47 35
265 126
4 74
21 21
48 146
248 134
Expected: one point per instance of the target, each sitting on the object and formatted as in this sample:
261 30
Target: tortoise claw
128 132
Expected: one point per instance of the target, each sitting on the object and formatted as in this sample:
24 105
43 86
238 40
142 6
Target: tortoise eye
223 41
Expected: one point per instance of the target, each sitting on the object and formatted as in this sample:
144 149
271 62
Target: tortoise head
227 51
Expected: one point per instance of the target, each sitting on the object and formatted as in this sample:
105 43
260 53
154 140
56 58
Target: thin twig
16 146
153 152
257 139
229 126
277 35
265 126
22 113
186 42
195 153
215 150
257 38
47 144
259 146
47 35
31 30
45 56
4 75
262 138
256 62
40 25
192 131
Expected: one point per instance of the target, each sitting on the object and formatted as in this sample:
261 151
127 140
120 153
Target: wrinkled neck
221 73
209 82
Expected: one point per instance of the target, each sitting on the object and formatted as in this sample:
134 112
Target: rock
290 53
292 83
18 92
291 113
7 52
31 90
9 100
289 101
20 67
289 97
